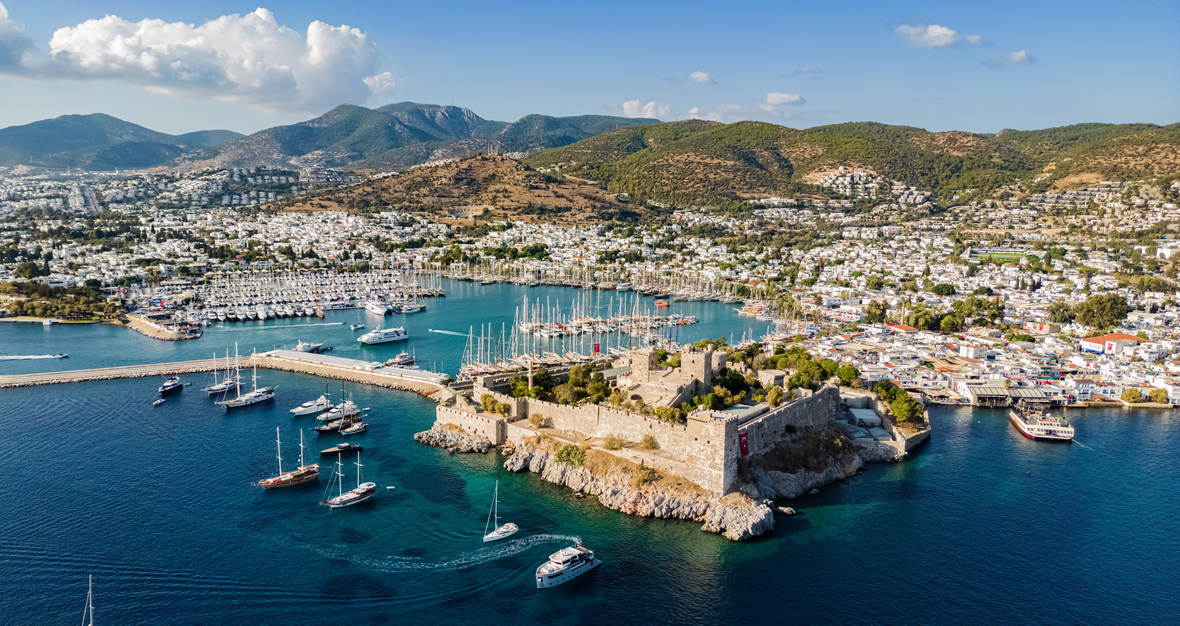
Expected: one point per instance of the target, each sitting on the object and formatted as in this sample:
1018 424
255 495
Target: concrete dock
424 383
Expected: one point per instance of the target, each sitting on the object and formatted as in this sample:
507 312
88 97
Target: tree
874 282
1132 396
1107 311
847 374
951 324
875 312
1060 313
943 289
775 396
906 409
1159 396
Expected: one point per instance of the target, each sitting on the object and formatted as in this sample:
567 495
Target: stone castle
704 448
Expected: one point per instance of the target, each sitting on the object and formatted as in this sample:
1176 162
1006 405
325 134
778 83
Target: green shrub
613 443
645 475
1132 396
649 442
1159 396
570 455
537 420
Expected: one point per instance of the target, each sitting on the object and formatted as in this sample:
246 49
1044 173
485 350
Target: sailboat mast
279 446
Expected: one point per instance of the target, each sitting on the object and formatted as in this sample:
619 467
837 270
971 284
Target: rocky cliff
735 516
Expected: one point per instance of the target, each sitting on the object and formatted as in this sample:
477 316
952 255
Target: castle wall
815 411
487 425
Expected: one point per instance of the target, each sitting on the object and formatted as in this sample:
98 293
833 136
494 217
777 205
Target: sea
981 526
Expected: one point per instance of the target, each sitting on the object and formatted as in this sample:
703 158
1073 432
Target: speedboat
61 356
565 565
313 406
158 402
170 385
342 448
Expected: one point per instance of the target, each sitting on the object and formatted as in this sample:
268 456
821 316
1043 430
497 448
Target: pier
429 384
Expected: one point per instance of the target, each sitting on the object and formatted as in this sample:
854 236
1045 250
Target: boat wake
447 332
28 357
284 326
392 564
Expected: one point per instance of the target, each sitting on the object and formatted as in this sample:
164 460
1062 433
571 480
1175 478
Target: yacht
313 406
313 348
384 335
355 428
1034 424
170 385
378 308
259 394
401 360
565 565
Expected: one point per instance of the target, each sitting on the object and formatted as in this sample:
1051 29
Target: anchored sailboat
303 474
500 532
363 491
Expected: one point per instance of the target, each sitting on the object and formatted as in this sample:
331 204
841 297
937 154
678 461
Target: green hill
709 163
97 142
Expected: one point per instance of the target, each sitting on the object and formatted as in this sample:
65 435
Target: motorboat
355 429
401 360
318 405
384 335
170 385
158 402
377 308
312 348
565 565
342 448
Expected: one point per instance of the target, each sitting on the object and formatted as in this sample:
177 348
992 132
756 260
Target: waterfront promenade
422 382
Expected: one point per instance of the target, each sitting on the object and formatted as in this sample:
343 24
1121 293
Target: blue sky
935 65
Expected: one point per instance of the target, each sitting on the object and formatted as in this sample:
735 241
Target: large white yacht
313 406
374 306
566 565
1034 424
384 335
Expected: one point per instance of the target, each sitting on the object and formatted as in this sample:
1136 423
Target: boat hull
505 531
295 479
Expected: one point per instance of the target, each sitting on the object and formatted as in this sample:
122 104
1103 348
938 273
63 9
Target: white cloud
13 41
1020 57
702 78
774 98
243 58
634 108
776 106
934 36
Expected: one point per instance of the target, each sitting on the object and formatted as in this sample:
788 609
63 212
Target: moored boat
1034 424
342 448
302 474
313 406
170 385
363 491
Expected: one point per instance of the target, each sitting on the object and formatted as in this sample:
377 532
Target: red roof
1113 337
902 327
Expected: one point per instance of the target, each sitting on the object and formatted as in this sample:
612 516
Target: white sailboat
260 394
88 610
363 491
500 532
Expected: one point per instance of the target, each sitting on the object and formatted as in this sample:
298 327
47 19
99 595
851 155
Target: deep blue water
982 526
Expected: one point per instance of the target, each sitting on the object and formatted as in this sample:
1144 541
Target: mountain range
98 142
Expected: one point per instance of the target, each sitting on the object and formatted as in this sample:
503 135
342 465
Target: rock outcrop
734 516
453 440
773 485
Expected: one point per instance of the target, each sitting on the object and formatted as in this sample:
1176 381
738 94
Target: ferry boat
1036 425
566 565
384 335
302 474
170 385
363 491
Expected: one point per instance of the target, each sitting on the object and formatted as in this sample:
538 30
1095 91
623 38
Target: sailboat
303 474
363 491
88 610
231 381
500 532
254 397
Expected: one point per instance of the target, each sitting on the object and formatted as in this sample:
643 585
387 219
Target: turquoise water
982 526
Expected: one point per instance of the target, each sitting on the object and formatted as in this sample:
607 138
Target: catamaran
500 532
302 474
363 491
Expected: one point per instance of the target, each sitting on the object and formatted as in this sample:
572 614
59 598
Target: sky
978 67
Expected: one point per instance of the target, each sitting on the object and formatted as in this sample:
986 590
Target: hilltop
466 187
397 136
705 162
98 142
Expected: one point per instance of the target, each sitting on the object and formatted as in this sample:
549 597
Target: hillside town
1070 295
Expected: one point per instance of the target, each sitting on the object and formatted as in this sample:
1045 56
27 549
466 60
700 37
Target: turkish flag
744 444
595 348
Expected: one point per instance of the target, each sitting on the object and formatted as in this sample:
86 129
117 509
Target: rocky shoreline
453 440
734 516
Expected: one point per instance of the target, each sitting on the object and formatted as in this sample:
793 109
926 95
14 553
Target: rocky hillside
98 142
702 162
467 186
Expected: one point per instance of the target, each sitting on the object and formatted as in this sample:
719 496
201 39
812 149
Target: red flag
744 444
595 348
